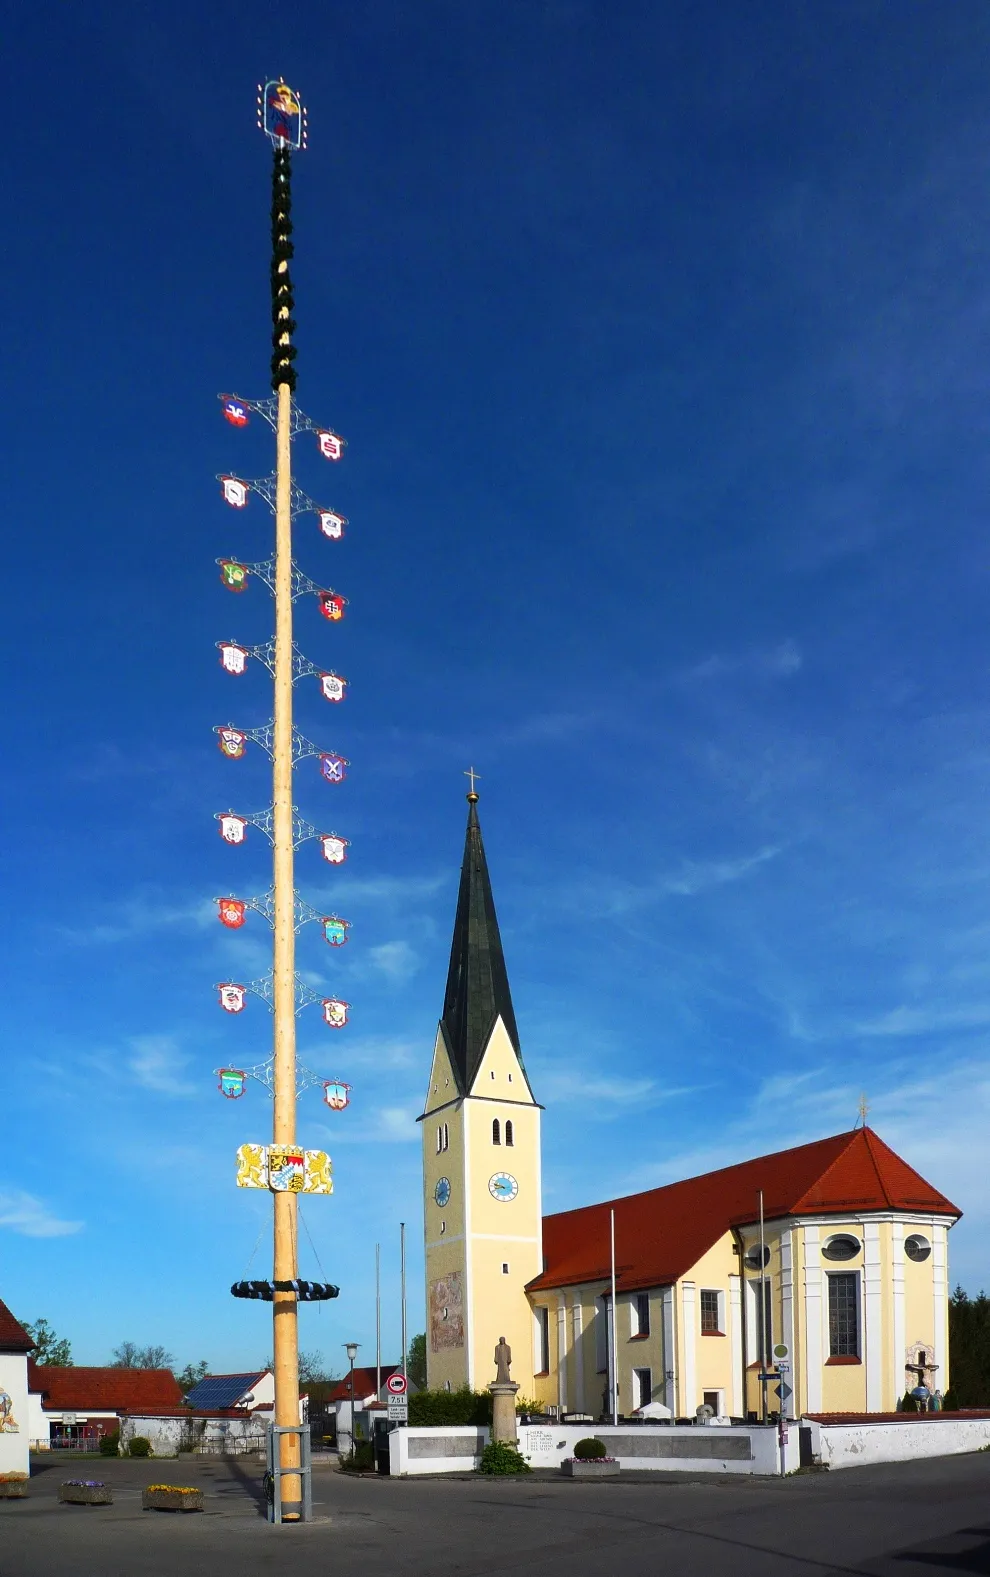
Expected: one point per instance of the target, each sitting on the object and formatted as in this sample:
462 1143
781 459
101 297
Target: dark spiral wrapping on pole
283 300
305 1291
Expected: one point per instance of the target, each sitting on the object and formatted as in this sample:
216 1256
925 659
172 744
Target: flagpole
378 1321
402 1276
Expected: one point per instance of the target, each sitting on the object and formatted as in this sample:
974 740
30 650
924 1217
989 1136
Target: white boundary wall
857 1445
675 1448
14 1434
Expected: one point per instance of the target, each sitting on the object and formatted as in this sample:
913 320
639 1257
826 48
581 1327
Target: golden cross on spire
864 1110
470 773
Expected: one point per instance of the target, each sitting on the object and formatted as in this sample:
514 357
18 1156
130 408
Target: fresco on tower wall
446 1313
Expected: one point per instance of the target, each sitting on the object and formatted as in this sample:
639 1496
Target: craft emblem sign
231 997
281 114
233 575
333 767
332 606
331 524
335 930
331 444
235 411
335 1014
233 658
333 686
232 742
235 491
233 829
334 849
337 1094
232 912
232 1083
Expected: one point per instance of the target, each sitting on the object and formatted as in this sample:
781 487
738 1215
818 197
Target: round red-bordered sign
397 1384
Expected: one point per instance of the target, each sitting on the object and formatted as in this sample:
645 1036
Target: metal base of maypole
289 1508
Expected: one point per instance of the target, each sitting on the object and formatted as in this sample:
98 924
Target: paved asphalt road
910 1519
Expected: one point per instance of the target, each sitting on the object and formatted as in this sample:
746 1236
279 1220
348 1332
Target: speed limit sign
397 1384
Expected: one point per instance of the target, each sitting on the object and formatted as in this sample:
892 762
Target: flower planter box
85 1494
594 1467
13 1488
172 1500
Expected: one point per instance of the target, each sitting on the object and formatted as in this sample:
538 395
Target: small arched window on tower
508 1132
439 1137
446 1137
496 1132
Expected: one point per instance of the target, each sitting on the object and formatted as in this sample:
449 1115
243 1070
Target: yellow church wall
705 1362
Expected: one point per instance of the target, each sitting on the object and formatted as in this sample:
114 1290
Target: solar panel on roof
221 1390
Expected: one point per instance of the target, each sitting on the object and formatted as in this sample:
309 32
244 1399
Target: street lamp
351 1350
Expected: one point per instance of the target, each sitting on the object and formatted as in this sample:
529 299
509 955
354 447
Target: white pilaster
813 1321
940 1310
468 1245
736 1344
688 1317
577 1351
898 1353
562 1353
669 1349
787 1308
873 1316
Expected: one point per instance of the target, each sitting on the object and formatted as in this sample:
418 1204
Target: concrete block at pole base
503 1394
593 1467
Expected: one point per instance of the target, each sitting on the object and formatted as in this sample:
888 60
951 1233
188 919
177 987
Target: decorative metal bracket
264 1073
300 503
267 409
302 586
264 820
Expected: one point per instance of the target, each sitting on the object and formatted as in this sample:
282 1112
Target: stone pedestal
504 1411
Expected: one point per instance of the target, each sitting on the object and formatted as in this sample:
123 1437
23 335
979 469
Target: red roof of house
661 1234
104 1390
364 1382
13 1336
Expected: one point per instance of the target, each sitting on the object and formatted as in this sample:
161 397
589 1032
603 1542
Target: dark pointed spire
477 983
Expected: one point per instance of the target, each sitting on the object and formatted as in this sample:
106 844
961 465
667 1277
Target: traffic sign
397 1384
398 1409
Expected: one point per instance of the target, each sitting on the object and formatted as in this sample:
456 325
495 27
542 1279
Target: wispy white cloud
395 960
134 917
779 662
563 1083
926 1020
693 877
156 1063
29 1216
388 1125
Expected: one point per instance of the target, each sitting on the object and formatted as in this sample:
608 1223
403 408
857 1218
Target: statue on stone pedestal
503 1358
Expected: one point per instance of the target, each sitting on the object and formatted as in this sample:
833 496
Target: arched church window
439 1137
842 1246
446 1137
496 1132
508 1133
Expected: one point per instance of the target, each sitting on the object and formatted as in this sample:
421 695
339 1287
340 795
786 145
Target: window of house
446 1136
642 1386
917 1248
439 1137
713 1399
508 1132
843 1316
443 1228
542 1340
639 1314
711 1312
759 1319
496 1132
505 1267
842 1246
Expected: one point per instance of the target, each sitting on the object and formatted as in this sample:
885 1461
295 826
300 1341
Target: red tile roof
104 1390
364 1382
661 1234
13 1336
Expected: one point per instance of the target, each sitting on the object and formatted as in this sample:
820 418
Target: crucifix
864 1109
470 773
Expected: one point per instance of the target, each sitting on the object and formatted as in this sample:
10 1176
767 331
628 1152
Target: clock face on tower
503 1187
442 1192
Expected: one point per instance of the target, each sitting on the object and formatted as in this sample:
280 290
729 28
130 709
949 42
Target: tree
191 1375
416 1362
129 1356
312 1367
49 1348
969 1348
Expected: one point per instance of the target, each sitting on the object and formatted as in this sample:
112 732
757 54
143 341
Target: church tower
481 1158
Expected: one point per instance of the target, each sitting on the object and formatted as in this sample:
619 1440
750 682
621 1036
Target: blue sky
659 339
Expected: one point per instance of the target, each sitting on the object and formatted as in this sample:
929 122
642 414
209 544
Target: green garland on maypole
283 301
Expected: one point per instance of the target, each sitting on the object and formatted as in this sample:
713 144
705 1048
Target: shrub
427 1408
499 1457
950 1401
909 1404
110 1444
361 1459
139 1447
590 1450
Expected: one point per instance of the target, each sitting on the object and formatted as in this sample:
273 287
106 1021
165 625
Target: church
824 1267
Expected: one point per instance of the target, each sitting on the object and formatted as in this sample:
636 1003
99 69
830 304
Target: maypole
282 1167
